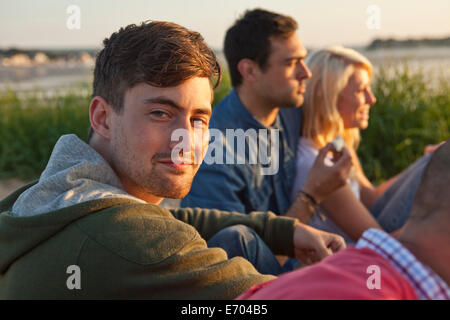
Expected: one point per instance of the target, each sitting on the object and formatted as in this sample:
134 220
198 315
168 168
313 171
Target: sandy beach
8 186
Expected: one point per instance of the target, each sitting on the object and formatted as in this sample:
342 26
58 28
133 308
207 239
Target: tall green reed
31 125
412 110
410 113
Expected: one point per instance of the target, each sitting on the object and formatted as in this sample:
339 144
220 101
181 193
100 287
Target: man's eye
159 114
200 122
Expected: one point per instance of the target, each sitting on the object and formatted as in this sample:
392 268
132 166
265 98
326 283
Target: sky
49 24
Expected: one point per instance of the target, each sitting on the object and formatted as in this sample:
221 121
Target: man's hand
322 179
432 147
312 245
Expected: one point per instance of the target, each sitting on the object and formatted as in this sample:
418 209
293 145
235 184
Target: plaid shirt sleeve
427 284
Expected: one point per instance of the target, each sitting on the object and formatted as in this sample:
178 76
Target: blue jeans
392 208
242 241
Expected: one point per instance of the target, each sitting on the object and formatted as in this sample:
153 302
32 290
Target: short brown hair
249 38
159 53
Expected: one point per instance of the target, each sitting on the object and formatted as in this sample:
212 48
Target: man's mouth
178 164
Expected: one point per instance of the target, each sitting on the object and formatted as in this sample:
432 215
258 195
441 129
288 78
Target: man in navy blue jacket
250 163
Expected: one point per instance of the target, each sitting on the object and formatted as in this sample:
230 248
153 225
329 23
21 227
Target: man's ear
100 113
248 69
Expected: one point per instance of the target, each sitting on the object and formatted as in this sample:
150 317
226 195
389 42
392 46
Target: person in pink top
415 265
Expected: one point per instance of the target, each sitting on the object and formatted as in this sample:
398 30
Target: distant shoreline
52 54
391 43
378 43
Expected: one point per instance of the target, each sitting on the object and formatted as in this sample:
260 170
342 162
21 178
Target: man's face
282 83
141 143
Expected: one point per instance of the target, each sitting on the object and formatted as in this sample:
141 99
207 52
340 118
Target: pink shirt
345 275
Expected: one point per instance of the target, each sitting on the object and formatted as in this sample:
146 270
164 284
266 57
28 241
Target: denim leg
242 241
391 209
291 264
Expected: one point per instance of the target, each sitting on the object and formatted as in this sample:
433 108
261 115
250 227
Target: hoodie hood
75 173
76 182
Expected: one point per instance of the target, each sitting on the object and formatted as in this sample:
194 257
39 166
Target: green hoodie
128 250
124 249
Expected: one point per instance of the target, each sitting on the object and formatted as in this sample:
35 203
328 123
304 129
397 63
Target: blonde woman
337 102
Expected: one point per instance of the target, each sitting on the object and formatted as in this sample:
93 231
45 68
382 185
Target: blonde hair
331 70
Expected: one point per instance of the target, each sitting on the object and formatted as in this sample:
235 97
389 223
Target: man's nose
182 132
304 72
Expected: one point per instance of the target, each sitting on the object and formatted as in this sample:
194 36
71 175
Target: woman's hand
323 179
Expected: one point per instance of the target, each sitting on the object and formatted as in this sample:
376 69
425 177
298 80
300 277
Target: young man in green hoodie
91 226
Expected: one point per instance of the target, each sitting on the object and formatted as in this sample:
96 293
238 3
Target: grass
223 89
409 114
30 127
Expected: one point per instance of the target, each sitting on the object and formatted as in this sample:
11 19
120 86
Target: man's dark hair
161 54
249 38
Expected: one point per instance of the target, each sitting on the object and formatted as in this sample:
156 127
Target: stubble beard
148 177
169 185
292 102
155 181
